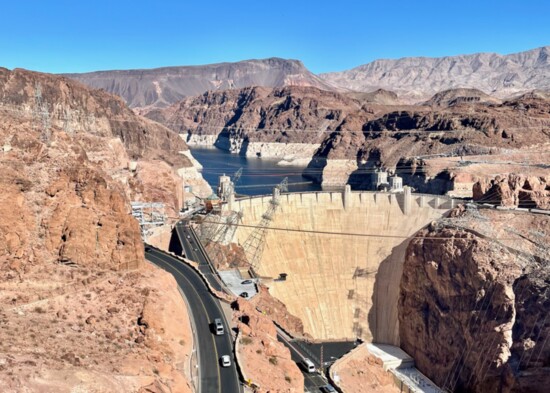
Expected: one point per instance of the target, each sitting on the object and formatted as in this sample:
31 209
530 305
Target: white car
225 361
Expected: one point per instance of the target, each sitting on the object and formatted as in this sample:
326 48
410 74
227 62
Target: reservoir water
259 175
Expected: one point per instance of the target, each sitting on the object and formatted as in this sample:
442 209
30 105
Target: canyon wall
474 297
80 307
343 137
259 121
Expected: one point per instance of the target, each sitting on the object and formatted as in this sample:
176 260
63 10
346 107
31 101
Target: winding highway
190 246
204 308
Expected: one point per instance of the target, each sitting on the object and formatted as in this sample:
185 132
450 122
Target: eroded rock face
278 312
80 308
345 136
474 296
397 138
263 359
236 118
514 191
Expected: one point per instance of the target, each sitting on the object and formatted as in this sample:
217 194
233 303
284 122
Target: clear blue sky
79 36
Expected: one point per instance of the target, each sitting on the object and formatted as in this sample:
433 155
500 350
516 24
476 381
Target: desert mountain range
161 87
414 79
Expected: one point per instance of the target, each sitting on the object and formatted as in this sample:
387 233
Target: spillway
342 286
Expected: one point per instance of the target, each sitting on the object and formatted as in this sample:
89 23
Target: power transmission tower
224 234
255 243
212 222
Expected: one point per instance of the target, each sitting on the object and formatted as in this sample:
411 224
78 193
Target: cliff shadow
361 178
175 244
383 319
314 169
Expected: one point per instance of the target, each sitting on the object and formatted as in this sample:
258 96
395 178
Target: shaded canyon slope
418 78
80 307
233 119
474 300
161 87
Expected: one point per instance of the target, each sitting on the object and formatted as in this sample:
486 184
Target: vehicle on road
244 294
327 389
308 365
246 282
189 237
225 360
218 327
147 249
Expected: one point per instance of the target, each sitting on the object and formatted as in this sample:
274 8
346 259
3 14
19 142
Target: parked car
246 282
327 389
244 294
225 360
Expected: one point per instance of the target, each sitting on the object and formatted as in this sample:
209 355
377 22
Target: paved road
189 245
204 309
312 381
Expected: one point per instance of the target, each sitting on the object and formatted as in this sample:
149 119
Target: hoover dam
343 254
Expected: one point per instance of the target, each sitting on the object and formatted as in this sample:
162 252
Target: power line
352 234
221 128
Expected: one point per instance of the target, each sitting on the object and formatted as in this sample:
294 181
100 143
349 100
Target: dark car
245 282
147 249
327 389
244 294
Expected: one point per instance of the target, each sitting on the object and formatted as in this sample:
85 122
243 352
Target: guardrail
194 351
484 205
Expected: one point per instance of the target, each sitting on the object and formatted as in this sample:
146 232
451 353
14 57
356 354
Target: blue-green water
259 175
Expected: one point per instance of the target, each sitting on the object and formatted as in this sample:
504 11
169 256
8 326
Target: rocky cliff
264 360
457 124
75 286
162 87
418 78
514 191
474 299
259 121
344 137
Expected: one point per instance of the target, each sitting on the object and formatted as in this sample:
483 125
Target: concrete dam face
341 286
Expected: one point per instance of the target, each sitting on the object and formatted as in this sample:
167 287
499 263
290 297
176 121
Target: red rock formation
263 359
474 299
514 191
277 311
80 308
